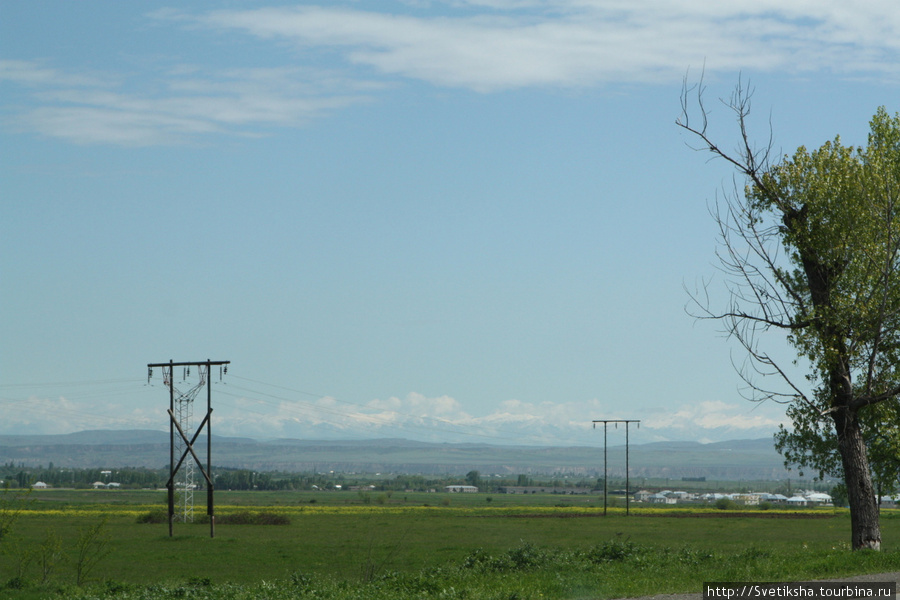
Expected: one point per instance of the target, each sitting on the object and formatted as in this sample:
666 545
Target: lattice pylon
185 484
184 415
183 412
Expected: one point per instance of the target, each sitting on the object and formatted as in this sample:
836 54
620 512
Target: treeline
21 476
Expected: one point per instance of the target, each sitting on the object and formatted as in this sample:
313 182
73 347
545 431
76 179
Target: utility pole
616 422
181 421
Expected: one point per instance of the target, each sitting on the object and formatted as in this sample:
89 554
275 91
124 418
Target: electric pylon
181 415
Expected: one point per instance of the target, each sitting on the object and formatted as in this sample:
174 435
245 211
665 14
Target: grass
339 545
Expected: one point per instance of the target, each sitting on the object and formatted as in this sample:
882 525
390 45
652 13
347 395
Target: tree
473 478
91 547
812 249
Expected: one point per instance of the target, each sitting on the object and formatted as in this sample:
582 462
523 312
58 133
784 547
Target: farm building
662 499
818 498
470 489
773 498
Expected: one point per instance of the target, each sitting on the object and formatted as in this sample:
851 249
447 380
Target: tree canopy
812 248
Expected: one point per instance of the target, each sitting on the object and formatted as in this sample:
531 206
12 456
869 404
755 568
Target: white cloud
707 420
184 105
481 45
61 414
581 42
414 416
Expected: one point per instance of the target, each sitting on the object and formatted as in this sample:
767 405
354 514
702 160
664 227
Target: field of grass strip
408 550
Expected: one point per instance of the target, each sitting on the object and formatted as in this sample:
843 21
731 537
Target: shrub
253 518
726 504
238 518
153 517
612 551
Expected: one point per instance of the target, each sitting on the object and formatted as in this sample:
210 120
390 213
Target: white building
662 499
467 489
818 498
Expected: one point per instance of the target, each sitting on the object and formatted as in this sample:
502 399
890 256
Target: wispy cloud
488 46
711 420
181 105
62 414
444 418
267 412
480 45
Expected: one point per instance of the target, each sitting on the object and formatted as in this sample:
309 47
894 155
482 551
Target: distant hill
732 460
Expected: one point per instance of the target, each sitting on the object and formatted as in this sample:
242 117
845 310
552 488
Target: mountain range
753 459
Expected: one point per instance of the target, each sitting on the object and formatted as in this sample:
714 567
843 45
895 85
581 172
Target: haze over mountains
754 459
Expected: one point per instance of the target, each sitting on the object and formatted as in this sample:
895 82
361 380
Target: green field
420 545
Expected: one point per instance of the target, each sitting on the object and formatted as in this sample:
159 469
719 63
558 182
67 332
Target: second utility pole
627 479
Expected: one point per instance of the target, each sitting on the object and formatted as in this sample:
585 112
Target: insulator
226 369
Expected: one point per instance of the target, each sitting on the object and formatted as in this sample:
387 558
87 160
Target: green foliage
839 495
91 547
49 555
614 551
375 552
12 502
813 250
251 518
153 517
473 478
609 570
846 203
726 504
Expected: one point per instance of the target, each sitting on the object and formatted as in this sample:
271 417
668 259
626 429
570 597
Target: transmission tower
181 419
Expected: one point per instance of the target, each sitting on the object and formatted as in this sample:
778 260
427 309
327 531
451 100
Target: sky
454 221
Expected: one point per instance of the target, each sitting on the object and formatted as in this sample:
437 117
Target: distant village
240 479
807 498
669 497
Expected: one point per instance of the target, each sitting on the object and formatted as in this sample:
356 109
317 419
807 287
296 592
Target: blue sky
441 220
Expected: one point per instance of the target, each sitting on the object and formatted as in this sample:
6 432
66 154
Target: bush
154 517
612 551
253 518
726 504
240 518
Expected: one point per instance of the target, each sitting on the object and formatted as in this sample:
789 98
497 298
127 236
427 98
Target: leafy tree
812 249
12 503
49 553
91 547
473 478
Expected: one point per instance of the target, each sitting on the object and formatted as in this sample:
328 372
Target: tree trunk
864 526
